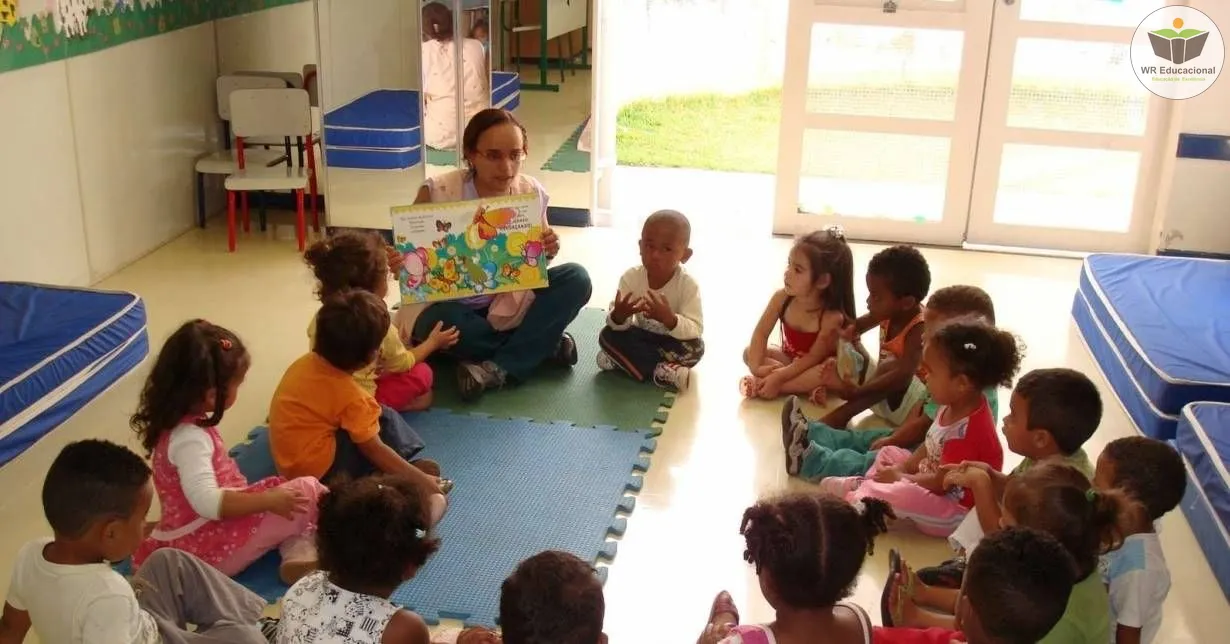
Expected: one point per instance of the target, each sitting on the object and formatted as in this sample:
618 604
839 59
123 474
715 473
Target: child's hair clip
225 343
420 533
859 506
1091 495
970 346
836 231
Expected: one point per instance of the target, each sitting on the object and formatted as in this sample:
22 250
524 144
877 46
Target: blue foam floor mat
521 487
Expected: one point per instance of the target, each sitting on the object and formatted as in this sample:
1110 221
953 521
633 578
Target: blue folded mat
521 487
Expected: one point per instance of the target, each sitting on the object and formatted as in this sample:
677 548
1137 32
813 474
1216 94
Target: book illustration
1178 45
456 250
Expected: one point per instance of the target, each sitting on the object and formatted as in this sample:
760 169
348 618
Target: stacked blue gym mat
1159 330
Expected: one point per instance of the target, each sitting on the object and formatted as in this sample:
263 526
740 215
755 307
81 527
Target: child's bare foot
748 386
941 599
478 635
903 607
292 570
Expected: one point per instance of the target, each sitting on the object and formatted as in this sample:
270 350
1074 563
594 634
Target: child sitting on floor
816 302
372 538
552 597
655 322
1059 500
898 280
1151 472
1016 590
397 378
323 424
208 507
1051 414
852 452
808 550
962 359
95 497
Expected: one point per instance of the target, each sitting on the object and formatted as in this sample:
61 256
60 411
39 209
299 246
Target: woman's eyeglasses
500 155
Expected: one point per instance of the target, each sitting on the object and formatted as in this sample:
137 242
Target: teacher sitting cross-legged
506 336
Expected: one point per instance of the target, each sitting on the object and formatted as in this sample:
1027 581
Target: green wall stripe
34 41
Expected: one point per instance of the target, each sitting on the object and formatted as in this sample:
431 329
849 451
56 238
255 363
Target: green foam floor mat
582 395
568 158
441 157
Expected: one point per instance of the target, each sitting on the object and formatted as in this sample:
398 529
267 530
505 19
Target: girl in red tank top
814 306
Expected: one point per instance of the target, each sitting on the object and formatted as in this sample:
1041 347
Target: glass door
1065 150
880 110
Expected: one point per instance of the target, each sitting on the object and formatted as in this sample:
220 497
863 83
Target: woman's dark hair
828 253
348 260
485 120
987 355
437 22
812 546
197 359
371 531
1059 500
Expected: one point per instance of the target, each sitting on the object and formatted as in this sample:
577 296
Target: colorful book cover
466 248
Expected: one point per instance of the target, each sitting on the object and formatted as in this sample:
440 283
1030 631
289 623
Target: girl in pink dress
208 507
808 550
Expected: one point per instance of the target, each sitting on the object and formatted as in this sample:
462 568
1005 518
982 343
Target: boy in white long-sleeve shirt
655 323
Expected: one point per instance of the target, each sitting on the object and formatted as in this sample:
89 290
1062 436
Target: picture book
466 248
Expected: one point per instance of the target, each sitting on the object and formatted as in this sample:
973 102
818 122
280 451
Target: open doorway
689 95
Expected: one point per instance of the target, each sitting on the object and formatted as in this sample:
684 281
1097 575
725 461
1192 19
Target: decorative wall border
35 40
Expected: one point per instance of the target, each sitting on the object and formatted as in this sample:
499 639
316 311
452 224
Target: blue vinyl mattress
1203 439
505 90
1159 328
59 348
386 118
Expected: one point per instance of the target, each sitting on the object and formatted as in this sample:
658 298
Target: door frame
973 17
1006 31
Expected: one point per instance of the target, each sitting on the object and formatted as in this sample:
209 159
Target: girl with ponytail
208 507
808 550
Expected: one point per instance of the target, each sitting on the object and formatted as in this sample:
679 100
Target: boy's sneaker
566 351
606 362
474 379
671 376
949 574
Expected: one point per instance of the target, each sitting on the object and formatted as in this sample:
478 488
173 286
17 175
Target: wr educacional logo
1177 52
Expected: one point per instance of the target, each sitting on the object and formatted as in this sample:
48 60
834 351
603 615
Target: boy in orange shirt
323 424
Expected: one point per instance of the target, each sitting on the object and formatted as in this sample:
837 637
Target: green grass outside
739 133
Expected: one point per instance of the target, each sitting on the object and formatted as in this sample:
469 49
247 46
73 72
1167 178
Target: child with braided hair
807 550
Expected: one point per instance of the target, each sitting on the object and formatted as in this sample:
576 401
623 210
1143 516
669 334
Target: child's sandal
890 586
723 604
747 386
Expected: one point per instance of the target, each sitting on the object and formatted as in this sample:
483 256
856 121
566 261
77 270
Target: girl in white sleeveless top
808 550
371 538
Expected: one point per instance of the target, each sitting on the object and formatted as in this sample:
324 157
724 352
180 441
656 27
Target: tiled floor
716 456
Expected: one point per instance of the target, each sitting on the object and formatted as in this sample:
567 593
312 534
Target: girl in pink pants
962 358
208 507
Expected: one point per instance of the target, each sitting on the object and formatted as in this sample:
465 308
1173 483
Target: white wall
1194 194
375 45
96 164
